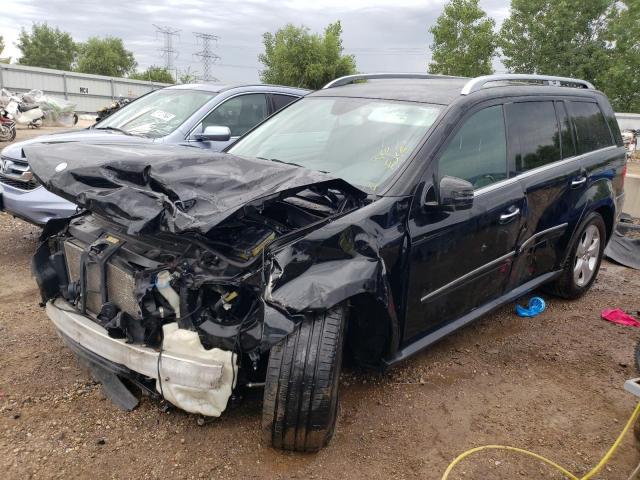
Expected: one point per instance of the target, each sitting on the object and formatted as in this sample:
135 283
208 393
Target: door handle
506 217
576 182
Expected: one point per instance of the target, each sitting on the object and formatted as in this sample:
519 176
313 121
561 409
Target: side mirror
214 133
455 194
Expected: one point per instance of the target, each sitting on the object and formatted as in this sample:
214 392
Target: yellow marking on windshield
391 157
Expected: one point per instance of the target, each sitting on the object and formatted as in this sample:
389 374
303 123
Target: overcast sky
389 35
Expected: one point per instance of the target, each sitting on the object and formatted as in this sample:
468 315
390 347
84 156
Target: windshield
158 113
360 140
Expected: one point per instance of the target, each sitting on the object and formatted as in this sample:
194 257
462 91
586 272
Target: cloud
382 36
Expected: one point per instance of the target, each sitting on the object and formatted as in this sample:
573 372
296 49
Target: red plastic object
619 316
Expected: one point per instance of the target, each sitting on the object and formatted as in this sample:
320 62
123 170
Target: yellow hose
564 471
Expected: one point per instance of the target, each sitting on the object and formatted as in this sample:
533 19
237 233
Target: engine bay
211 284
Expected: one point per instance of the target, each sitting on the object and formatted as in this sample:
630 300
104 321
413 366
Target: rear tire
301 387
585 256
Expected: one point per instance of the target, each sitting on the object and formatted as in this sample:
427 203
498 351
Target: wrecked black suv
372 217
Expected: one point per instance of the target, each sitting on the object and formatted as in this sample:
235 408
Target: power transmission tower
168 52
206 54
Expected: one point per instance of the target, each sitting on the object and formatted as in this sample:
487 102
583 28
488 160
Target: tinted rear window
533 134
592 131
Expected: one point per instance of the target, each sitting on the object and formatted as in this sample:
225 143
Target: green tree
46 47
154 74
464 41
555 37
620 78
294 56
5 59
105 56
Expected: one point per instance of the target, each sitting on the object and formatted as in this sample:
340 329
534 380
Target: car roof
443 90
439 91
219 88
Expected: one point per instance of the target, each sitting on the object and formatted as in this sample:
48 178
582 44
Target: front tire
585 256
301 387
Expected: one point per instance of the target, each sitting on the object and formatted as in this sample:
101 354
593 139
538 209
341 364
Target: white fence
88 92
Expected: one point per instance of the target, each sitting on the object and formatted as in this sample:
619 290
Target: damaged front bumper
190 377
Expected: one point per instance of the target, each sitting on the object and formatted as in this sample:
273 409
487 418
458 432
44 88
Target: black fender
327 267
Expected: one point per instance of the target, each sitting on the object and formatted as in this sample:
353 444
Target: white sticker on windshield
162 115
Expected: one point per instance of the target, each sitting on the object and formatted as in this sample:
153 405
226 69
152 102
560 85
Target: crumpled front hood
149 188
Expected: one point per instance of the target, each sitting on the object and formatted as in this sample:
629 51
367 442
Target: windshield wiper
280 161
288 163
115 129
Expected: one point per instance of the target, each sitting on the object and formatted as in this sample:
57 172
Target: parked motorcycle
25 113
7 127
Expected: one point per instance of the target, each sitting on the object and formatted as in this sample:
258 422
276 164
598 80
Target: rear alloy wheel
301 387
585 257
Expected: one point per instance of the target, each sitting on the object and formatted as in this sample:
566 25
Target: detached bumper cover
179 370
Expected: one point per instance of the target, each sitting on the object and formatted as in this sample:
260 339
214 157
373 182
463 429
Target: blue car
204 116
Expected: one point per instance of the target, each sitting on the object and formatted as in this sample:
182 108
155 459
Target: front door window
240 114
478 152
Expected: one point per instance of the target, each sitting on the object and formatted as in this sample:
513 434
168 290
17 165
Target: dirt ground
552 384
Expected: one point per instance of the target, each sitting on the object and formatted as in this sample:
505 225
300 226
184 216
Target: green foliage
154 74
620 77
187 76
105 56
294 56
464 41
596 40
46 47
555 37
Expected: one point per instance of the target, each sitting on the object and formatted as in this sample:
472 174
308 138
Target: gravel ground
552 384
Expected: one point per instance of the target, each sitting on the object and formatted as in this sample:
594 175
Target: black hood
149 188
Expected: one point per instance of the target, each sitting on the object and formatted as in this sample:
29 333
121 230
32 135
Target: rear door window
478 151
592 131
534 138
281 101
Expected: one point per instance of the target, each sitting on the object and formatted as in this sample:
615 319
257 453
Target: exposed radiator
120 282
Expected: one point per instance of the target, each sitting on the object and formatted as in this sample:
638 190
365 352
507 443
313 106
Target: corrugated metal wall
88 92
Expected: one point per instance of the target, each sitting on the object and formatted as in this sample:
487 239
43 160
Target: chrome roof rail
478 83
346 80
